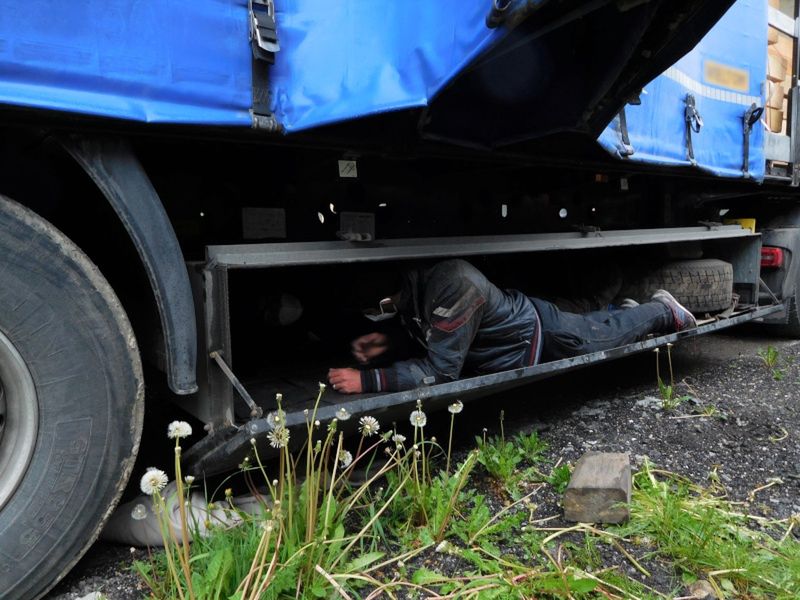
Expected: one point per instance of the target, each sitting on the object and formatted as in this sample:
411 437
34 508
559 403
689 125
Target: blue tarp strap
264 43
694 122
625 149
751 117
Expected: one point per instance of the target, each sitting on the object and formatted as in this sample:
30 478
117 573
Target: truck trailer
203 197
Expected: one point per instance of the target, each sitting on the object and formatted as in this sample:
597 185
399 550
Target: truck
200 197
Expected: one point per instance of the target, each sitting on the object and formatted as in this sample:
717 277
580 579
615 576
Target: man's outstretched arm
454 323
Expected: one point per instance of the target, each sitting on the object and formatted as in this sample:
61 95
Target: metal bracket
255 410
263 32
751 117
694 122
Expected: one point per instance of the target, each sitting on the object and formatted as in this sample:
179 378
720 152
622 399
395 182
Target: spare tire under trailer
702 286
71 402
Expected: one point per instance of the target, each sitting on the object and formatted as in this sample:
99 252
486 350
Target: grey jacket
465 323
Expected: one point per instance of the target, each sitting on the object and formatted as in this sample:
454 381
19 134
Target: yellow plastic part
745 223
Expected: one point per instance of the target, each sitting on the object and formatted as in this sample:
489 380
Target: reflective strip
707 91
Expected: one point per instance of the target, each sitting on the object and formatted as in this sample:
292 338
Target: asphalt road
606 408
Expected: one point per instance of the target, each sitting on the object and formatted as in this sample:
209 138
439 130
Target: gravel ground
753 438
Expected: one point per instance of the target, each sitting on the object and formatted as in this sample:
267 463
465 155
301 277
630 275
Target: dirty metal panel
336 252
226 449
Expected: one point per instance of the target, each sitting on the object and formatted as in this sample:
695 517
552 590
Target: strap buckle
263 31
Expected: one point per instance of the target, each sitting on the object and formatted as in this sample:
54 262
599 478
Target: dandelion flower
139 512
398 438
418 418
342 414
278 437
153 481
345 458
179 429
276 419
456 407
368 426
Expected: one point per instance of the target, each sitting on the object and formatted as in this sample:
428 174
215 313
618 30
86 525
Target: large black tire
71 403
702 286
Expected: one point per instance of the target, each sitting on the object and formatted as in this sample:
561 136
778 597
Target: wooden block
772 36
600 489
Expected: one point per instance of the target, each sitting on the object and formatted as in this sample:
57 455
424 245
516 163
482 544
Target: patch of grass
318 535
740 555
499 457
559 478
772 359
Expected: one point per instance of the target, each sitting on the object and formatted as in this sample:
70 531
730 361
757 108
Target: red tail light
771 257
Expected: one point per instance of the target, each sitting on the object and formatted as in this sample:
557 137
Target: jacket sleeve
456 308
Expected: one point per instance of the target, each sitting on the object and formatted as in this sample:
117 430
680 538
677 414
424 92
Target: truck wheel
71 402
704 285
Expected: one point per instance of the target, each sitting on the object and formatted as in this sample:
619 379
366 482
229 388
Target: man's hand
369 346
345 381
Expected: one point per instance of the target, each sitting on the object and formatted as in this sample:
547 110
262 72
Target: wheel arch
58 165
113 166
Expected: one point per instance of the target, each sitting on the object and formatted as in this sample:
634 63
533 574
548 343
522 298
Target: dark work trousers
568 334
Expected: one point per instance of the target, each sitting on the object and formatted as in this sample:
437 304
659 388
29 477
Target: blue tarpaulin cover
172 62
153 61
358 57
734 52
190 63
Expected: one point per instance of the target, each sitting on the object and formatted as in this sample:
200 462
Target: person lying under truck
466 323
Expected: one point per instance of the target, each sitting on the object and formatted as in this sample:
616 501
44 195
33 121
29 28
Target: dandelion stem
450 443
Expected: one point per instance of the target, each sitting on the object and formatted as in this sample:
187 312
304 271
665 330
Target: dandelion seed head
317 423
433 439
345 458
253 441
342 414
322 386
278 437
418 418
153 481
305 411
456 407
189 479
139 512
274 483
132 550
368 426
179 429
398 438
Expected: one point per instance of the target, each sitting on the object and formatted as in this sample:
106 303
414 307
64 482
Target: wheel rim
19 418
